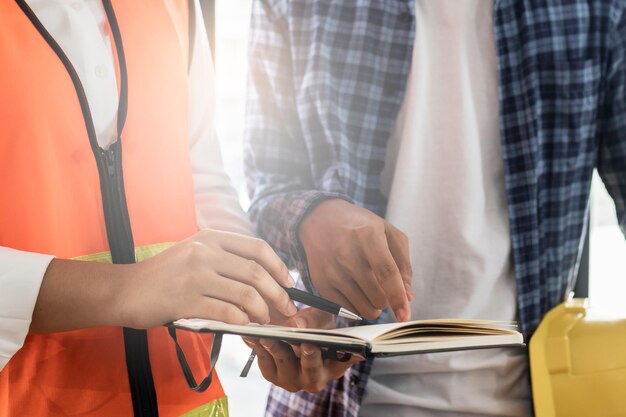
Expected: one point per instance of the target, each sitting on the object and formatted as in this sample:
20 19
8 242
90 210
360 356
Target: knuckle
204 234
284 302
255 270
247 294
306 368
265 314
379 302
282 358
196 251
254 305
278 268
208 236
261 247
363 232
385 272
403 238
235 315
240 319
406 270
207 232
282 266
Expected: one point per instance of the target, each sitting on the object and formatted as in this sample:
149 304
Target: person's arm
213 275
281 188
612 146
349 254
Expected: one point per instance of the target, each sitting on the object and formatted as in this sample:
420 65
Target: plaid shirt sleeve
612 150
281 187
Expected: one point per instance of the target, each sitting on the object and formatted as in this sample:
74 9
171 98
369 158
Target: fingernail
297 351
401 314
307 350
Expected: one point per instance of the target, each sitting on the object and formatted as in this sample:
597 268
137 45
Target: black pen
320 303
311 301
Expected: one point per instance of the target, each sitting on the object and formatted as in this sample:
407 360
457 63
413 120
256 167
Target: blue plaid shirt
327 79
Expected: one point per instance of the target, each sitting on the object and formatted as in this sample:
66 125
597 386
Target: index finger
260 251
399 248
388 275
253 274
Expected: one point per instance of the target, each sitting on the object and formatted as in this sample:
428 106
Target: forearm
77 294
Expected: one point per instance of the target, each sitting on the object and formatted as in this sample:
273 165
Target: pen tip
349 314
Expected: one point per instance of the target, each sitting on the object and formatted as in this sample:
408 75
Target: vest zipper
122 248
119 232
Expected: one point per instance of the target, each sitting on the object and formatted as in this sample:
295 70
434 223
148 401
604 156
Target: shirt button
77 6
101 71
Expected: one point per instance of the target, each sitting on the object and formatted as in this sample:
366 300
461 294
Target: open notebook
419 336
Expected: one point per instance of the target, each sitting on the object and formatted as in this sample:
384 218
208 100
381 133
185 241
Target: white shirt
79 28
445 181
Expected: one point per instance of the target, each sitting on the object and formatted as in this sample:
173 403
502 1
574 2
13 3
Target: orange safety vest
50 202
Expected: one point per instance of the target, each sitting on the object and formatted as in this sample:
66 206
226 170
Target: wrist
317 215
80 294
120 296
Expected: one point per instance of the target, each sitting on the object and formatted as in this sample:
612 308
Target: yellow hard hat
578 364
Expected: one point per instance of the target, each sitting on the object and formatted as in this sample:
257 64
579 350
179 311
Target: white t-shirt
445 181
80 29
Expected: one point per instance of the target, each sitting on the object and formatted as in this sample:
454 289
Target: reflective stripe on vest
50 203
